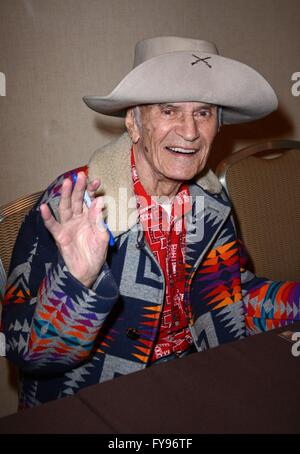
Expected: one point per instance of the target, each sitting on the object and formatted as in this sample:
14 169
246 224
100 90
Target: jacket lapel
203 224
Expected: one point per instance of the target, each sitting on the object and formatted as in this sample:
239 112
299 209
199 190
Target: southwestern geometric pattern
64 336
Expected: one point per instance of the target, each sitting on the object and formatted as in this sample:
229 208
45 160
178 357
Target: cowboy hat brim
185 76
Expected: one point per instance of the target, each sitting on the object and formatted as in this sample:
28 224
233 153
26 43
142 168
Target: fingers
92 188
50 223
72 201
65 206
77 194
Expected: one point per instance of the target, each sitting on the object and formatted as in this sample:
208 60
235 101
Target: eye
203 113
168 112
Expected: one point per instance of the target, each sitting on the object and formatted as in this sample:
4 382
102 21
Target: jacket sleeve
268 304
50 320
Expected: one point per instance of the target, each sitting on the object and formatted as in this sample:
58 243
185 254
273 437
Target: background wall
55 51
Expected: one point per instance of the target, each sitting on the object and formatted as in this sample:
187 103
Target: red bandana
166 238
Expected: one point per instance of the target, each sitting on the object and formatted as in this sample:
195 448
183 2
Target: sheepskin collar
111 165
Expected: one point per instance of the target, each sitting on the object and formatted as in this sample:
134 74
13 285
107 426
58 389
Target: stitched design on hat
200 59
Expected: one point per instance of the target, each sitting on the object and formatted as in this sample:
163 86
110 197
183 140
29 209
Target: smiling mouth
185 151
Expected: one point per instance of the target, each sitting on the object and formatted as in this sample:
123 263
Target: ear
131 126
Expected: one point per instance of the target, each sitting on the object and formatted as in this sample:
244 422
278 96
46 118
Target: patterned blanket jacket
64 336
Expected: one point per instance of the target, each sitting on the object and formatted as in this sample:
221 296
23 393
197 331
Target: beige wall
55 51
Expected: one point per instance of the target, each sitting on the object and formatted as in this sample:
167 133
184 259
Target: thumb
96 214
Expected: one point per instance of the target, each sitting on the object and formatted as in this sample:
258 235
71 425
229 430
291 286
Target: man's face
174 139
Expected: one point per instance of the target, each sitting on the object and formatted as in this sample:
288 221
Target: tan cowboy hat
174 69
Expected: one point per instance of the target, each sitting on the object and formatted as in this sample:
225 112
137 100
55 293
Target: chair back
263 184
11 217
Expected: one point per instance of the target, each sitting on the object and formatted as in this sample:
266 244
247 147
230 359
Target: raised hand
81 235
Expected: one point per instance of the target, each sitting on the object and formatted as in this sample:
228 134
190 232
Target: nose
187 128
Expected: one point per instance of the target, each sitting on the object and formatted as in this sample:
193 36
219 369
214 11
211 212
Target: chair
263 183
11 217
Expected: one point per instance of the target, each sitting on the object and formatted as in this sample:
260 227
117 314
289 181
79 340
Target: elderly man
79 309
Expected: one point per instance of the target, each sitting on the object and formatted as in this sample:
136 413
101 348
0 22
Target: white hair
137 116
219 114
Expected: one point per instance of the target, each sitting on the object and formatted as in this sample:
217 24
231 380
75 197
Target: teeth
182 150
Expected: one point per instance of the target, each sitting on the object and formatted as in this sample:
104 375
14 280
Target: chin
184 174
181 176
